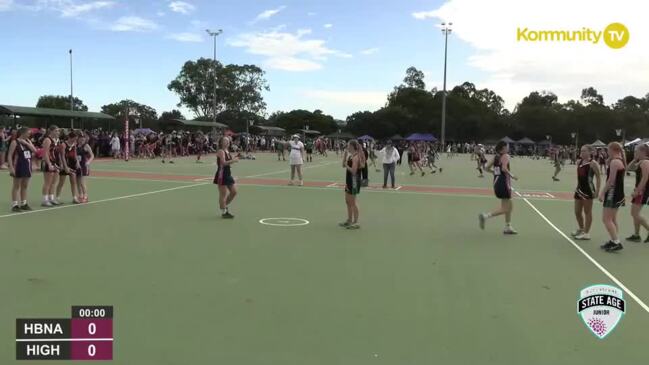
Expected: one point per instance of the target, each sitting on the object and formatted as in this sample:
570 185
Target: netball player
50 165
68 157
296 159
85 156
353 162
20 168
413 159
223 177
499 166
640 165
586 191
309 150
480 159
199 144
556 156
613 195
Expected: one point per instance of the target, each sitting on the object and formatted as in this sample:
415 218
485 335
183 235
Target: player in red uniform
68 157
612 195
50 165
85 156
586 191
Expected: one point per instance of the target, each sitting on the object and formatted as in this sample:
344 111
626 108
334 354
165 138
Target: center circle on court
284 222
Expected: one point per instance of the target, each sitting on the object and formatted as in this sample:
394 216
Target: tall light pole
214 35
446 29
71 92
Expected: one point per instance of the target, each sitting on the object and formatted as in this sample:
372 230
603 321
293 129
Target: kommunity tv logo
615 35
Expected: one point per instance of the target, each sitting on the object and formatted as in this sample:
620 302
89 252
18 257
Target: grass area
418 284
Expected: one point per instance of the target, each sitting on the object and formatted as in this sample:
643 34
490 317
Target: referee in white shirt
390 158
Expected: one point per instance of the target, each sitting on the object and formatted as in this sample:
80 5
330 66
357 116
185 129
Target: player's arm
615 166
64 162
598 176
27 143
633 165
344 160
10 160
91 156
505 164
490 166
355 165
639 190
46 154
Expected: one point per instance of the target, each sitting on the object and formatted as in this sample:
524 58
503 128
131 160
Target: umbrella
366 138
421 137
525 141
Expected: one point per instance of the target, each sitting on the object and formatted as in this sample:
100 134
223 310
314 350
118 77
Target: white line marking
102 200
398 187
284 222
143 180
332 185
550 195
590 258
62 339
288 170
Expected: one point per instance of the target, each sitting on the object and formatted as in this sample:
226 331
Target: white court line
288 170
398 187
101 201
143 180
590 258
332 185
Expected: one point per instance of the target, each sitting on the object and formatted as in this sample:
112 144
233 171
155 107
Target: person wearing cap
296 159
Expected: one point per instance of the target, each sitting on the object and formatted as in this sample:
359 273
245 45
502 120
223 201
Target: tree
60 102
148 117
173 114
590 96
237 87
414 78
298 119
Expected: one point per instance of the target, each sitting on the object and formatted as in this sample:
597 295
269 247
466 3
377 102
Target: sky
339 56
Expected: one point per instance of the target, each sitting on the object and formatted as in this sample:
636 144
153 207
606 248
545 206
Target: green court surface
419 283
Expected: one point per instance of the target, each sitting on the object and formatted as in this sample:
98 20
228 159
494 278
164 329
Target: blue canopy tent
366 138
421 137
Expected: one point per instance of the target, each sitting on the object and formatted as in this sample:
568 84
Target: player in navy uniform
499 166
20 151
586 191
612 195
639 164
85 156
223 177
50 165
353 163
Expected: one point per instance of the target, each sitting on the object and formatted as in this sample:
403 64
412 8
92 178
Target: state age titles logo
601 307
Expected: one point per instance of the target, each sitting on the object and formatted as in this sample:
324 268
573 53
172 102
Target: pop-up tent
421 137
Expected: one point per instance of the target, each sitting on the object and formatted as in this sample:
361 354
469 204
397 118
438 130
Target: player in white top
296 159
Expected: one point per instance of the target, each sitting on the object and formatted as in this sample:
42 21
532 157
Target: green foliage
238 87
60 102
299 119
147 115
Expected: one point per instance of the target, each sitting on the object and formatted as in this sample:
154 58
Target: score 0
91 333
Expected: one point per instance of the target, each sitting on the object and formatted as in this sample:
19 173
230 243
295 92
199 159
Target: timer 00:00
92 313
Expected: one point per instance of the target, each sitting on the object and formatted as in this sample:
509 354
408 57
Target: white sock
46 198
50 197
617 242
14 204
23 202
487 215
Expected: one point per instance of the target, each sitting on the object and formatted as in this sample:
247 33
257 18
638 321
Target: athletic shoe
76 201
385 187
608 245
554 178
582 237
615 247
227 215
163 161
15 209
482 220
56 202
634 238
291 183
25 207
46 203
510 231
423 173
171 162
345 224
301 183
576 233
647 240
412 173
440 170
353 226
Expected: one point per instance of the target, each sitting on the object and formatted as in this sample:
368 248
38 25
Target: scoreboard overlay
87 335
